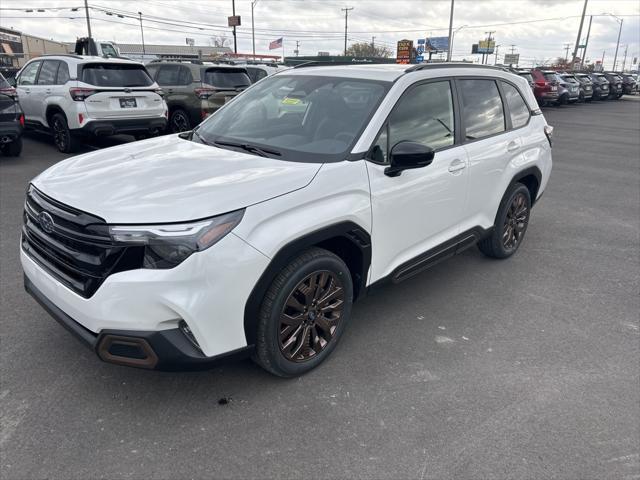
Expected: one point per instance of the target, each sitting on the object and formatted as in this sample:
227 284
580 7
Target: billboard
437 44
404 51
511 58
486 46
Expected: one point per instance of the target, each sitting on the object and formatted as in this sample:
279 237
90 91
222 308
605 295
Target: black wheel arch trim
353 233
531 171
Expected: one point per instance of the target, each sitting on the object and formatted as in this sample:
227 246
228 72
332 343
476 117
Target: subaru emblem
46 222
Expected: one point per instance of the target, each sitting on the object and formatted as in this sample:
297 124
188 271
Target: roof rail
317 63
177 60
70 55
429 66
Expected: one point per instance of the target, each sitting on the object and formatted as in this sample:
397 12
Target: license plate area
128 102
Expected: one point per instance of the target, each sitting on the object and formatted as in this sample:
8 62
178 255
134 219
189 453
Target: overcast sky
319 24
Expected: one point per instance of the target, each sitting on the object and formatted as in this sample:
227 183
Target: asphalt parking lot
524 368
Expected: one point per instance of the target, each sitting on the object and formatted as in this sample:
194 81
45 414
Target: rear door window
48 72
168 75
527 76
227 78
185 77
482 110
116 75
518 110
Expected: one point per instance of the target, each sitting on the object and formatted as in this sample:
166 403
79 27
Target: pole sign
511 58
403 53
234 21
486 46
437 44
190 41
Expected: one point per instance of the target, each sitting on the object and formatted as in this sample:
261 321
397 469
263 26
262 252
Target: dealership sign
486 46
437 44
511 58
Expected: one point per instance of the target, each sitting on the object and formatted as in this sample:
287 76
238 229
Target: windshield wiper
247 147
200 139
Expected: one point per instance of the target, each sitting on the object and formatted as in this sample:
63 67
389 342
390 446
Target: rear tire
62 136
12 149
510 225
179 121
304 313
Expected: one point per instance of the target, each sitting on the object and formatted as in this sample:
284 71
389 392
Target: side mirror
406 155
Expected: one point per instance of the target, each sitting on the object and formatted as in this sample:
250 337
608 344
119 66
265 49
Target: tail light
21 120
80 94
9 92
548 131
204 114
204 92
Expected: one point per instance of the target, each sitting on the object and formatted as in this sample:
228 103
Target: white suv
255 232
73 95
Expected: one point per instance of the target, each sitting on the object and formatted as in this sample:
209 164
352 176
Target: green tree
365 49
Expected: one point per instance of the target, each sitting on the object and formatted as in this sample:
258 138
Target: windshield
116 75
226 78
305 118
551 76
570 78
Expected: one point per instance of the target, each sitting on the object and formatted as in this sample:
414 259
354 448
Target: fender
349 232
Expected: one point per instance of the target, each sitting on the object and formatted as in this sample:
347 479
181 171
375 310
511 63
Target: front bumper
167 350
208 292
129 125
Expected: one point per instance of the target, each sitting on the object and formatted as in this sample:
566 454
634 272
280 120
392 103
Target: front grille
75 247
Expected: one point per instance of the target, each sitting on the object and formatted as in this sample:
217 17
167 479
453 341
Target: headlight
165 246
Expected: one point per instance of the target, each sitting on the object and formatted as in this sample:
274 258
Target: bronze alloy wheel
515 222
310 316
179 122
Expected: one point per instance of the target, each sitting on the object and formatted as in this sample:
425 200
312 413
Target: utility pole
86 9
624 62
575 49
253 29
495 60
450 32
615 57
373 44
567 46
235 40
297 47
513 47
142 33
346 11
586 44
602 61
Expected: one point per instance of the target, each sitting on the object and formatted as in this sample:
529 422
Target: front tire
304 313
12 149
510 225
62 136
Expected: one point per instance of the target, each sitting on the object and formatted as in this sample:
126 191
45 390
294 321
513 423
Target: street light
253 32
453 34
619 20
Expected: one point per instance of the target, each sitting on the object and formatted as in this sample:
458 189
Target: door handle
48 90
457 165
513 147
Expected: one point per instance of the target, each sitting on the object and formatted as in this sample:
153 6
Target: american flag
275 44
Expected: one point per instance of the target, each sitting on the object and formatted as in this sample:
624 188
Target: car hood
169 179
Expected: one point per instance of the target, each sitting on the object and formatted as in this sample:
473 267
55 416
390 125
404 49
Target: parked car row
73 97
552 87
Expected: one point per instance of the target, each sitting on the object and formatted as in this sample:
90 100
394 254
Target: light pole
452 36
235 40
619 20
586 44
142 33
86 9
575 49
253 29
450 31
495 60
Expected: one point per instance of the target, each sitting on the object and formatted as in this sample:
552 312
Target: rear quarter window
482 108
116 75
518 110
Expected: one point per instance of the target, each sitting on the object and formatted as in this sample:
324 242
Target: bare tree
366 49
219 41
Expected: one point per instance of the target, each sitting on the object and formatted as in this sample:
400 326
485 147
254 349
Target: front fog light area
166 246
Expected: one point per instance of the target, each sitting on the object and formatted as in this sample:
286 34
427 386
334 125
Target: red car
545 87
